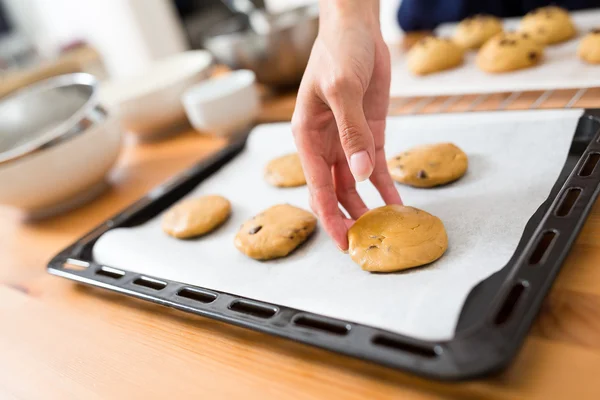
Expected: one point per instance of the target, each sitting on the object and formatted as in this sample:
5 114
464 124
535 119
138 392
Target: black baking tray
494 320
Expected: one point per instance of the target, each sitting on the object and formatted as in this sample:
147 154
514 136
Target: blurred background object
56 145
149 103
278 54
225 105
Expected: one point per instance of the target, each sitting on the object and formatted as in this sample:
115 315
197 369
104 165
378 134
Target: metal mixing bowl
57 145
278 58
47 113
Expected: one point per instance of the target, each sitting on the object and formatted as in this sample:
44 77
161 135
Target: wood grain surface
60 340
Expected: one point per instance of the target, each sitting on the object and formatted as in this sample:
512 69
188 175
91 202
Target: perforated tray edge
478 349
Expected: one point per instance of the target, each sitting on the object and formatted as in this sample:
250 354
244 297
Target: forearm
341 13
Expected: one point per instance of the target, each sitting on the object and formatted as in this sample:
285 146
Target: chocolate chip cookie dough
196 217
589 47
275 232
548 25
508 52
393 238
428 165
285 171
473 32
434 54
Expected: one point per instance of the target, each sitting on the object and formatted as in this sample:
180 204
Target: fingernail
361 166
342 250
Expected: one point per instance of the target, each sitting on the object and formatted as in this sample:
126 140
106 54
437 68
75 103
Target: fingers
324 202
345 98
382 180
345 189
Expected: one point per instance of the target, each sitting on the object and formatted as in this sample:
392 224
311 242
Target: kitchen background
114 38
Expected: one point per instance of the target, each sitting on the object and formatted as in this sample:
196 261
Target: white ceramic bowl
56 145
223 105
149 103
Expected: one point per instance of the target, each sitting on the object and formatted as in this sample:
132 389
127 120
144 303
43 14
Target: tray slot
201 296
320 324
511 302
75 265
253 308
539 253
568 201
150 283
589 165
398 345
110 272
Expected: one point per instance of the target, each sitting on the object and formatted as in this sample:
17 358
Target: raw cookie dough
548 25
473 32
275 232
195 217
409 39
285 171
393 238
589 47
434 54
508 52
428 165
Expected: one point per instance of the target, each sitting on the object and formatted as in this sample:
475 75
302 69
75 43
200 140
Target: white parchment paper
514 160
561 69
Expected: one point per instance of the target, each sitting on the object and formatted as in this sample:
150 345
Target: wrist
347 13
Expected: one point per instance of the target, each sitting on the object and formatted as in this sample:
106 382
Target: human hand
339 119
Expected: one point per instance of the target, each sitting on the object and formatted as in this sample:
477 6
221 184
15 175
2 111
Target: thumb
355 134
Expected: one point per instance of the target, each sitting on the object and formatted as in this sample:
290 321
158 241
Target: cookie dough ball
433 54
589 47
473 32
285 171
409 39
548 25
196 217
393 238
509 52
275 232
428 165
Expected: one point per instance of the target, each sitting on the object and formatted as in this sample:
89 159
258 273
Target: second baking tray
560 69
491 324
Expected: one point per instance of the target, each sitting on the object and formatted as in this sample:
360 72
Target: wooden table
59 340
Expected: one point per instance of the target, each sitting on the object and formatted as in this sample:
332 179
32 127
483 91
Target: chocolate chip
371 247
422 174
532 55
595 31
398 158
254 230
525 36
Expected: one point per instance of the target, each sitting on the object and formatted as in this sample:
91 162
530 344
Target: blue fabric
416 15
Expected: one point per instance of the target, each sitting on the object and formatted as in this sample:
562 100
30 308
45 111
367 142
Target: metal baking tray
493 322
